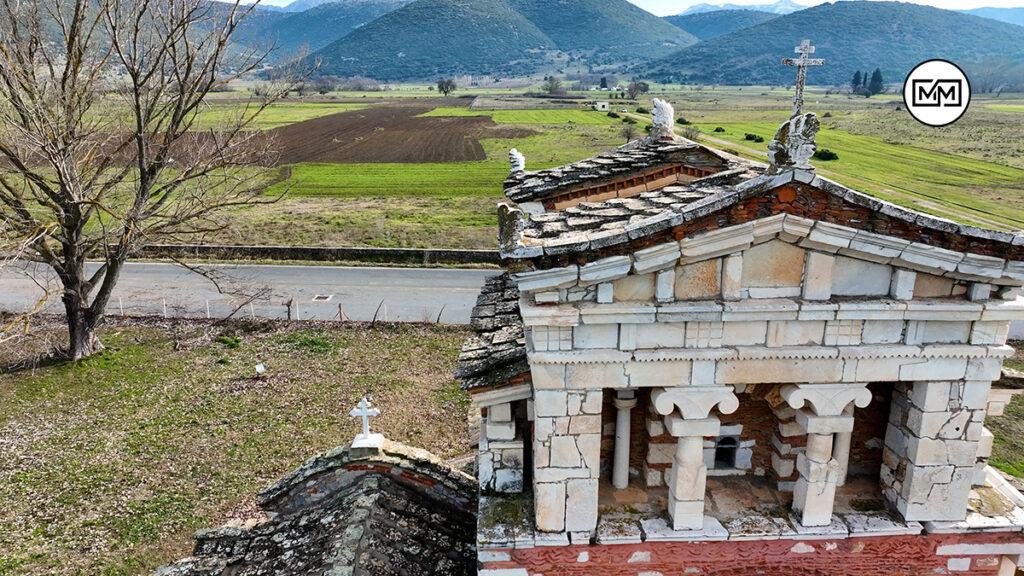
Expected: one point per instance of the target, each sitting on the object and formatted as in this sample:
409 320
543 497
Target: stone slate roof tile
371 524
633 157
497 351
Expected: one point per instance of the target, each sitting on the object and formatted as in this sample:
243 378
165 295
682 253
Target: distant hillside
851 36
431 38
303 5
707 25
615 27
780 7
1009 15
315 27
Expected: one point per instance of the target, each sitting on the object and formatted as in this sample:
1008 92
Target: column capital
680 427
826 400
695 402
624 399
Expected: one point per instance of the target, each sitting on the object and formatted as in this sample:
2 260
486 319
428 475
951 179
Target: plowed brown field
388 134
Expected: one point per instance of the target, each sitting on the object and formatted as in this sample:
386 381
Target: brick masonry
875 556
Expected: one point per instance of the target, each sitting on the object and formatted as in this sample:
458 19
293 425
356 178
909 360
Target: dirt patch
389 134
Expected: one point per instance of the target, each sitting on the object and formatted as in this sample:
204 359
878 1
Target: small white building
601 106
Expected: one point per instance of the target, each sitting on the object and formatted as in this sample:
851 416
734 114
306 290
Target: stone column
687 412
841 450
624 402
822 413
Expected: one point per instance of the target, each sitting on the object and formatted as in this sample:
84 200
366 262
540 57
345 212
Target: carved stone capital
695 402
826 399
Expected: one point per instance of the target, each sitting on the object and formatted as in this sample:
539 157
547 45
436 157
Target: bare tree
446 86
101 147
636 89
629 132
553 86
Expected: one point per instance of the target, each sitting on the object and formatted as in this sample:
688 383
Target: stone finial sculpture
664 117
793 145
517 161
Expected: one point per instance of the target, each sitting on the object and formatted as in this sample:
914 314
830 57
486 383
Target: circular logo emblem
937 93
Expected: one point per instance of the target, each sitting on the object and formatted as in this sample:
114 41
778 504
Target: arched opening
725 451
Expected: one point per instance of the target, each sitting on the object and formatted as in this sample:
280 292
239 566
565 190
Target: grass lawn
557 116
1008 429
1015 108
954 186
110 465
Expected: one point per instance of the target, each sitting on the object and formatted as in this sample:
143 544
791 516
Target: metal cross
801 63
364 411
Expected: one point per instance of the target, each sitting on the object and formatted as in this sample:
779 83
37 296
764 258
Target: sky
669 7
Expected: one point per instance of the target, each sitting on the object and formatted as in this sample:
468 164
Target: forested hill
313 28
707 25
431 38
851 36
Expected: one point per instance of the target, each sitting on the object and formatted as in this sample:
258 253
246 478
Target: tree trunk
82 340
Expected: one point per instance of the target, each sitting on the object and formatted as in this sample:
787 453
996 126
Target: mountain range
430 38
780 7
706 25
850 36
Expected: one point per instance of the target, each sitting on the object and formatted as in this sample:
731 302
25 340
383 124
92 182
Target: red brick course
876 556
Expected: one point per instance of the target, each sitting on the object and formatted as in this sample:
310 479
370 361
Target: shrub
826 115
642 110
826 154
719 129
691 132
629 120
683 122
753 137
613 115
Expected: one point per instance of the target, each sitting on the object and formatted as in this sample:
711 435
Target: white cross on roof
365 411
801 63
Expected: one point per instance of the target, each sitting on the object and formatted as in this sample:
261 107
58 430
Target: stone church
702 365
695 364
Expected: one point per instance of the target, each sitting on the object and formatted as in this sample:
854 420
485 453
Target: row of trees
862 85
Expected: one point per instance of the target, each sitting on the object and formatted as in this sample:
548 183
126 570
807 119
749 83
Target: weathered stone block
698 281
588 336
581 506
780 370
595 376
732 277
744 333
661 335
930 396
984 369
664 286
818 276
902 286
634 288
854 277
666 374
774 264
933 368
927 451
550 403
937 332
564 453
795 333
548 376
882 331
991 333
549 506
588 424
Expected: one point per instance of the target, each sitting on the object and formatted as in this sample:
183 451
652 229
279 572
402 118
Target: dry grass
107 467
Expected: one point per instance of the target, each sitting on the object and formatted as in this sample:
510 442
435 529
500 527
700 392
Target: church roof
497 351
398 512
644 155
592 230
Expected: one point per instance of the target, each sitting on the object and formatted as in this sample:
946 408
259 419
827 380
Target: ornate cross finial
804 50
516 160
365 411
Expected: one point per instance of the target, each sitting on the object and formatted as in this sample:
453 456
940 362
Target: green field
110 465
453 180
1016 108
556 116
280 114
966 189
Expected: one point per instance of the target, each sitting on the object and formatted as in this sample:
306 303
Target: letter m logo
937 92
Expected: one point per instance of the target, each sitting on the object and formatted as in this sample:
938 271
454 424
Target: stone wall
870 556
932 447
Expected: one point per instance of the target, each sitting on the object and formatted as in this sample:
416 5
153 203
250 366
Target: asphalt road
316 292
